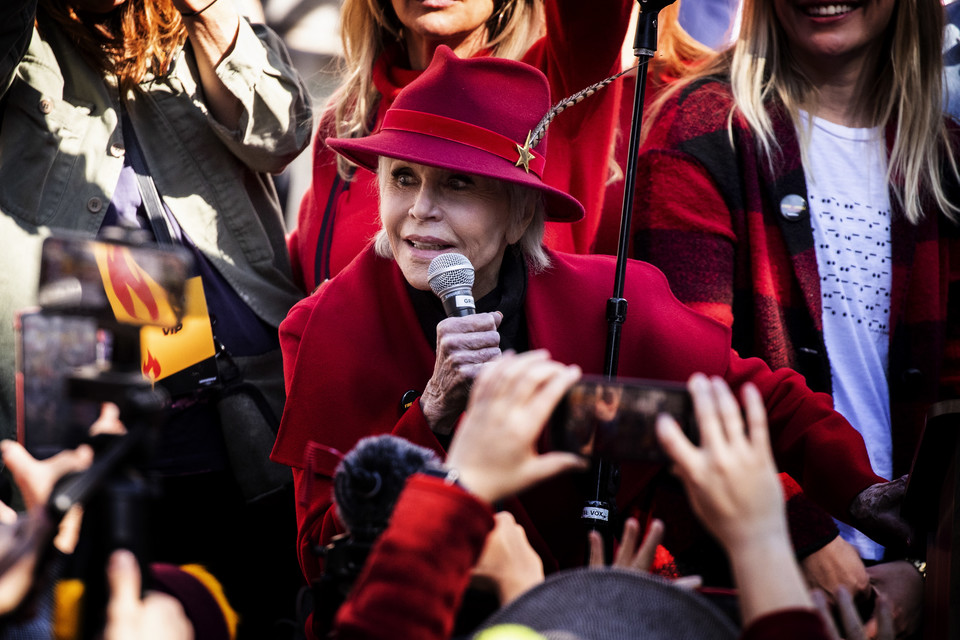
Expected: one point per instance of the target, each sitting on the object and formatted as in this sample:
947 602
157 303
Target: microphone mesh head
448 271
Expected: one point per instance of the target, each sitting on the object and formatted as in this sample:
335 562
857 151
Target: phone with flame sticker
90 292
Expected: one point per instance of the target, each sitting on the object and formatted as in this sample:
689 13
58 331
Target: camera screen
137 285
616 419
49 348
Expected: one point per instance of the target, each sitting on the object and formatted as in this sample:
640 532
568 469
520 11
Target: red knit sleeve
811 441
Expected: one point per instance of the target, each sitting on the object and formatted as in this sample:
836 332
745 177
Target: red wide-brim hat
471 115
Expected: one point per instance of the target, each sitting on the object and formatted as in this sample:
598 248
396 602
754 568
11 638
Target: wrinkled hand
731 479
157 616
901 585
853 628
508 564
463 346
629 555
876 512
495 446
836 564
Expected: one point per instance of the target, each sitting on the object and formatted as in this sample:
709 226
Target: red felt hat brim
447 154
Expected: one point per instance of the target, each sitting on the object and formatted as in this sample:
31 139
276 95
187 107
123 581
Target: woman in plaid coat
801 187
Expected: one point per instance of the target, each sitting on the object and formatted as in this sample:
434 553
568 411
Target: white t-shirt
849 203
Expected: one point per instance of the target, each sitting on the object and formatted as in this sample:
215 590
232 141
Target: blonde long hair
905 92
677 51
140 37
369 26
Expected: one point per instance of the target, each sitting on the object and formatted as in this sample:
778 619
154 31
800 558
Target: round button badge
793 207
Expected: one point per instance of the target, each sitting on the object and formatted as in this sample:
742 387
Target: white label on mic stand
596 513
463 301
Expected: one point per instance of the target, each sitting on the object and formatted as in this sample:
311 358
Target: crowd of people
794 215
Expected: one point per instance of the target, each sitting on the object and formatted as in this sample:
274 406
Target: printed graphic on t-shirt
855 245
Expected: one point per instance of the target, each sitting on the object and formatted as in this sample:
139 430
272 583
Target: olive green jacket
61 152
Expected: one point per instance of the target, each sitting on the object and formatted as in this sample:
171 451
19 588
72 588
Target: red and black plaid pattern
709 215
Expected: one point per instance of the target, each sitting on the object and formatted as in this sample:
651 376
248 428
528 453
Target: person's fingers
108 421
822 605
688 582
729 409
756 413
596 549
852 625
7 515
161 610
16 458
705 410
553 389
123 576
71 460
69 532
675 444
883 614
551 464
530 381
27 473
500 379
648 549
628 543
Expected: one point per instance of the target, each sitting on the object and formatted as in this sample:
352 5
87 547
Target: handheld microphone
451 279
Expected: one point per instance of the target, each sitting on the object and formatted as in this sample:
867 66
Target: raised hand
731 481
630 554
494 448
157 616
508 564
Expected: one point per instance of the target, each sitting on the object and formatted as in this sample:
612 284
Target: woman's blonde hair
367 27
904 91
523 202
140 37
677 50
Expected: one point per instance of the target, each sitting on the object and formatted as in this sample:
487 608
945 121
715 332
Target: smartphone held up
616 419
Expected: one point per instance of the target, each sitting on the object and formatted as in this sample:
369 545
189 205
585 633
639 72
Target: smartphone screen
616 419
49 348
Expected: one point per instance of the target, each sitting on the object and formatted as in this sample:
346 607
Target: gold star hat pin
525 151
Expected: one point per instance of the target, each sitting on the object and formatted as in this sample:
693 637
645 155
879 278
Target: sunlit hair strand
367 27
139 38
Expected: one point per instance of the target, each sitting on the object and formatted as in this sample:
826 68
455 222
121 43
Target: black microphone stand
599 511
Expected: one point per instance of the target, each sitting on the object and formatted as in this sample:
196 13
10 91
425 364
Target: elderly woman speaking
372 352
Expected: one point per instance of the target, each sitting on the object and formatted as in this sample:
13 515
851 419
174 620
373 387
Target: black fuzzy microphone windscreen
369 480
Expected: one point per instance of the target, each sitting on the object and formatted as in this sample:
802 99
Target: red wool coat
355 347
582 46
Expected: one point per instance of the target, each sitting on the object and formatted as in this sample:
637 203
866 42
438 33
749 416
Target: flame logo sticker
151 368
134 295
